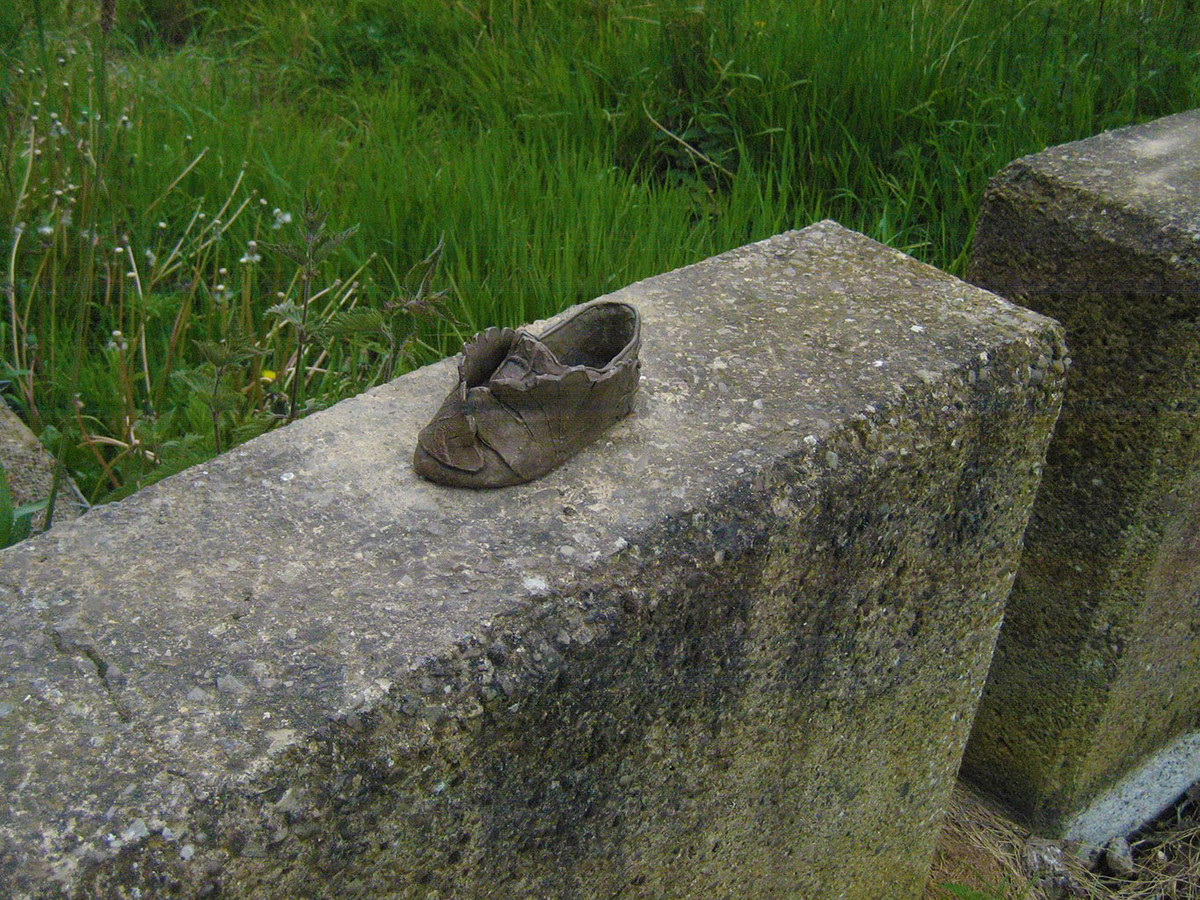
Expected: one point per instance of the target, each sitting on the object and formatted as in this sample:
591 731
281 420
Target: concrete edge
1140 795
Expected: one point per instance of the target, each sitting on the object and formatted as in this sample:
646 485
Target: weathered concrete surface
1097 664
30 471
734 646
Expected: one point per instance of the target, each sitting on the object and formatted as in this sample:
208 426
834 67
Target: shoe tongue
528 356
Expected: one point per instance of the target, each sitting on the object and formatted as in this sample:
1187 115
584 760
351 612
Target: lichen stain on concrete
1158 146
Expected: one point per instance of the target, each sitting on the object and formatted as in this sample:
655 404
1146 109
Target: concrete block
1096 669
731 649
30 471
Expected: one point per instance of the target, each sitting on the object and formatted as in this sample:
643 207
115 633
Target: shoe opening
593 337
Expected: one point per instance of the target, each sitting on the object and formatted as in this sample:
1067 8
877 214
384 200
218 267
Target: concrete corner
1096 670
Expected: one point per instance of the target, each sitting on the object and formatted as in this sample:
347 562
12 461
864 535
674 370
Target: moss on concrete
1096 666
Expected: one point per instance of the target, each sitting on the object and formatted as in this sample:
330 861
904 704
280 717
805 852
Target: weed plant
154 155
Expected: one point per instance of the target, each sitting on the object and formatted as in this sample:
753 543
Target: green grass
563 149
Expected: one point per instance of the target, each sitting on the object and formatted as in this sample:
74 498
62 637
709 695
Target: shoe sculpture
524 405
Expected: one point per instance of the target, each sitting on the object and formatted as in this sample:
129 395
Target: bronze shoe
524 404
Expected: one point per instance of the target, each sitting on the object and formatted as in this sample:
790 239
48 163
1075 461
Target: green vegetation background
166 295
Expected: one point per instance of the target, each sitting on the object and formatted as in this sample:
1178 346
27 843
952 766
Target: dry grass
979 848
980 857
1168 863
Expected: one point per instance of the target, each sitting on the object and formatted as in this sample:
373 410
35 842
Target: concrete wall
1096 670
733 649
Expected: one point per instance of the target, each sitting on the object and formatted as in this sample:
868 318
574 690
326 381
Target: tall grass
562 148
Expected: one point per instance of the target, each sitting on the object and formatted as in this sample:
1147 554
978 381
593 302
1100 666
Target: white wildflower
251 256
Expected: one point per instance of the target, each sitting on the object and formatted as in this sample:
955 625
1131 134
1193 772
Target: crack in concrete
75 648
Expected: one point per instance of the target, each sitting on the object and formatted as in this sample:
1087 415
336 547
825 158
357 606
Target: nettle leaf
355 322
326 246
253 427
287 312
287 251
225 400
196 381
407 352
431 306
313 218
189 446
226 352
155 429
199 415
